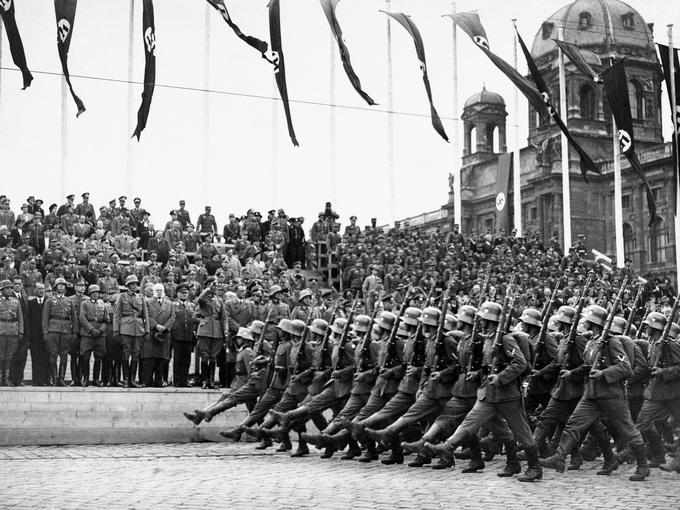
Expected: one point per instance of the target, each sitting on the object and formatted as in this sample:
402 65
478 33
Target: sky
229 147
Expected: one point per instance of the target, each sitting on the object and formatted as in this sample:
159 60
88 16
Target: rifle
324 350
482 291
547 311
258 349
345 333
665 340
636 304
571 338
604 336
503 324
365 359
440 355
419 344
301 355
391 358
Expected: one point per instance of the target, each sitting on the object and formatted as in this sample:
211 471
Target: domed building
602 29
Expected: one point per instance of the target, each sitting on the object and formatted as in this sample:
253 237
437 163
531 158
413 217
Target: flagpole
390 118
275 147
675 121
64 136
618 202
566 193
131 120
331 120
516 171
1 28
457 199
205 167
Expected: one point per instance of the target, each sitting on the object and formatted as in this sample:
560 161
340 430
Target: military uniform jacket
388 381
211 316
544 354
512 365
343 382
364 381
613 362
11 317
281 366
667 385
635 385
184 325
276 312
130 315
243 368
321 368
302 366
572 387
93 316
59 316
160 313
410 378
300 312
463 388
441 387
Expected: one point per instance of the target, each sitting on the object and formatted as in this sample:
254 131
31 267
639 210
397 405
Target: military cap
137 199
85 195
93 288
131 279
182 287
112 201
272 211
30 198
4 284
102 208
70 197
39 200
352 217
182 202
122 197
297 263
326 292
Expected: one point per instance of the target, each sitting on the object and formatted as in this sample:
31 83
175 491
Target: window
658 238
587 102
488 224
625 203
659 195
628 240
637 110
533 213
584 20
546 30
627 21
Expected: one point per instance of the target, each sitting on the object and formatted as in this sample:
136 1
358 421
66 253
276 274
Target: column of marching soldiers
428 382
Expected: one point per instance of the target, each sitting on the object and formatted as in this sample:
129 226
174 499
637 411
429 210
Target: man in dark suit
36 342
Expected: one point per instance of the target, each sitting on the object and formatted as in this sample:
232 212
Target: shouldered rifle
419 343
503 324
636 305
440 356
482 291
343 337
324 350
391 357
604 336
365 358
258 348
301 355
573 330
545 318
665 340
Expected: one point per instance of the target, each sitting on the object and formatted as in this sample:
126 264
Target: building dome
485 97
601 26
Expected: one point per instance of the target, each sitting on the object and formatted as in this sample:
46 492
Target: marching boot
412 447
96 371
302 449
490 446
342 439
476 462
235 435
512 465
642 470
655 452
611 463
205 375
133 374
626 456
315 439
420 461
75 370
286 445
356 428
328 453
370 454
319 421
379 436
444 451
85 371
589 450
125 366
576 461
397 455
673 465
534 471
62 371
196 417
264 444
353 451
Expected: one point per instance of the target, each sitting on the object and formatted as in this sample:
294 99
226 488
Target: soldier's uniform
131 324
11 328
94 321
74 352
60 324
183 340
211 334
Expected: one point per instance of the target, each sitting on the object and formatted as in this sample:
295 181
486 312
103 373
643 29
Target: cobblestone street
219 475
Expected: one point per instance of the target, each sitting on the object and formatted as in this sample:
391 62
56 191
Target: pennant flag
279 65
411 28
502 189
16 47
576 55
328 7
664 53
470 24
149 34
616 90
254 42
587 164
66 14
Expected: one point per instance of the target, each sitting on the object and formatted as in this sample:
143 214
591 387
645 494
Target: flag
616 90
502 189
66 14
576 55
664 52
328 7
472 26
279 65
149 34
587 164
411 28
16 47
254 42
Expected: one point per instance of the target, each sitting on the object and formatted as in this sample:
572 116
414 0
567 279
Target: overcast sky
240 156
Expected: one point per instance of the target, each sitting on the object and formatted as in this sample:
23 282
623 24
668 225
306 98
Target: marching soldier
130 326
11 328
542 378
59 323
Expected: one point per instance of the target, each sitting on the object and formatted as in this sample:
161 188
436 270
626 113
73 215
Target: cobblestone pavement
226 475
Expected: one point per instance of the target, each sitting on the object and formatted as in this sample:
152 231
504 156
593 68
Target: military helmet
61 281
130 279
361 323
596 315
450 322
531 316
93 288
553 323
257 327
466 314
490 311
297 327
655 320
318 326
305 293
566 314
411 315
401 331
338 325
275 289
430 316
618 326
245 333
285 325
386 320
6 284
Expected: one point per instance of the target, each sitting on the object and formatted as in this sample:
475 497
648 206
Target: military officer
130 325
182 334
59 323
11 328
93 324
212 329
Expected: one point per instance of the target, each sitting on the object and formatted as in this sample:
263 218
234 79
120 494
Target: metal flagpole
275 147
64 136
566 193
618 203
131 112
675 117
205 167
516 170
390 118
331 141
457 199
1 28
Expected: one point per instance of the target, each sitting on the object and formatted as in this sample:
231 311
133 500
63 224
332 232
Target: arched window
658 238
587 102
627 21
628 240
492 138
473 139
637 109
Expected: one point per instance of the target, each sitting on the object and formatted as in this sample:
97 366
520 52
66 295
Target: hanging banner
664 53
279 65
502 191
328 7
16 47
576 55
411 28
65 11
149 36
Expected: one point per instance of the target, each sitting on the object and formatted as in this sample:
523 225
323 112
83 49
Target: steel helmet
62 281
257 327
411 315
553 323
450 322
531 316
466 314
245 333
386 320
297 327
618 325
318 326
655 320
596 315
361 324
338 325
430 316
566 314
286 325
93 288
130 279
305 293
490 311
